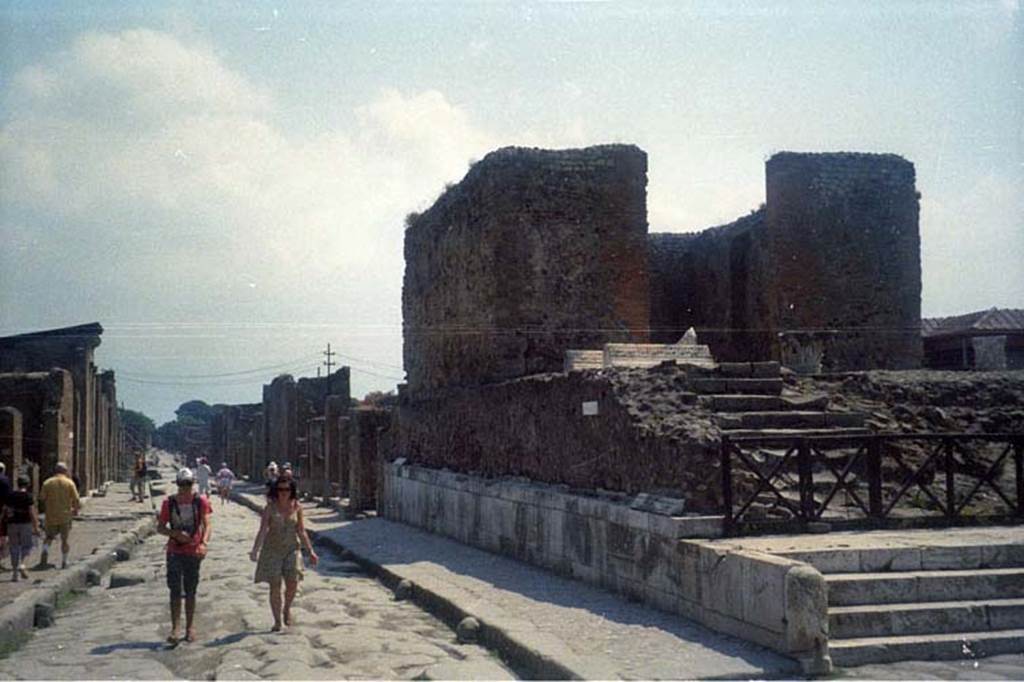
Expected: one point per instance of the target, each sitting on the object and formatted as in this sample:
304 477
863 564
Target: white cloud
143 179
157 150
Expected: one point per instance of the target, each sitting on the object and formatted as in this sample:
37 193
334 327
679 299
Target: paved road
348 626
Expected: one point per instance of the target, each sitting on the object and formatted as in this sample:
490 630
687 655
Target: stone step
878 620
745 403
751 370
791 419
904 587
729 385
947 646
911 558
786 436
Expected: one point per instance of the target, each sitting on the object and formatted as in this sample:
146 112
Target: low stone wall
776 602
622 429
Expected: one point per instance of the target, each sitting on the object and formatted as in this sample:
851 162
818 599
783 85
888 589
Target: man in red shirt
185 519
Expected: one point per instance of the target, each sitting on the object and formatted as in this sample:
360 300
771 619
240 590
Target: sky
222 185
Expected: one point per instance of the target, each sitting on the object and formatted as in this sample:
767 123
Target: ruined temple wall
280 410
334 410
843 231
533 253
313 479
833 257
716 282
364 433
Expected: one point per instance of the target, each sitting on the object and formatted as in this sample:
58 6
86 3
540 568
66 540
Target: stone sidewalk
101 519
106 526
545 625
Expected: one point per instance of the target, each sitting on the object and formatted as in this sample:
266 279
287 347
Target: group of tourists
19 519
185 519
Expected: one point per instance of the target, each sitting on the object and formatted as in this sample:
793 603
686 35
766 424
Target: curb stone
18 617
528 661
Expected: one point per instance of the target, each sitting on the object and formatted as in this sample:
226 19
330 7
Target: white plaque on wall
590 408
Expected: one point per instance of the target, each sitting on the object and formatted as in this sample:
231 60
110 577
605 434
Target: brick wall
645 438
533 253
832 259
843 231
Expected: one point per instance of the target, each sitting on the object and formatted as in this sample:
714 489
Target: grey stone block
403 590
44 615
468 630
126 578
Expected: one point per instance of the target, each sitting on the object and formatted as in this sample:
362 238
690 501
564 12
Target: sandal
276 627
190 635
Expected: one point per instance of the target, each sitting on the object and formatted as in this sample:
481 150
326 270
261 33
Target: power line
254 370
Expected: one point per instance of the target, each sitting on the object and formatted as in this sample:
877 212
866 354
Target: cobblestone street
348 626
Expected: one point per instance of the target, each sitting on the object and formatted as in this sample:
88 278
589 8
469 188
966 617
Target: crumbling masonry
67 410
539 252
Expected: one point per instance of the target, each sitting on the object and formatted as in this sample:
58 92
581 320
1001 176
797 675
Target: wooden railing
784 483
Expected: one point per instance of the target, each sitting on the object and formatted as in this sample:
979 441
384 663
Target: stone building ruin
539 261
67 408
537 252
826 275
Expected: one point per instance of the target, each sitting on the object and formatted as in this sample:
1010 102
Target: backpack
196 515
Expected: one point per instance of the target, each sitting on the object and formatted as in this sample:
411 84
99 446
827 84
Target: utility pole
329 364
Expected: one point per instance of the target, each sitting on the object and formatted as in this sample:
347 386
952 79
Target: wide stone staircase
750 400
943 601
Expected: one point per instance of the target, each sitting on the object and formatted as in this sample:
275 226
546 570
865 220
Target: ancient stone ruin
67 409
538 252
826 275
539 261
534 253
559 409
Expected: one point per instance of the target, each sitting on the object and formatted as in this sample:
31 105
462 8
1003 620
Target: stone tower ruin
537 252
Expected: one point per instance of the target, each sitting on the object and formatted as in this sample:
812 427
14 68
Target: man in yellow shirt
59 497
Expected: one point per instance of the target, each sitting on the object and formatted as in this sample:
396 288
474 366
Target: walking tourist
138 485
203 473
270 476
22 525
185 519
59 498
225 479
5 490
276 549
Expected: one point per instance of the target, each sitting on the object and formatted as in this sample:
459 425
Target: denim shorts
183 575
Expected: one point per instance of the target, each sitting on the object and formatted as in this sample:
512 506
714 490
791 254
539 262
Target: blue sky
222 185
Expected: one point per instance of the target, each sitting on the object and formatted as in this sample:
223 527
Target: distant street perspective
528 340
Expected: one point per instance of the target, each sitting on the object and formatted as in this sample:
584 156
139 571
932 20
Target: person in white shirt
203 472
225 479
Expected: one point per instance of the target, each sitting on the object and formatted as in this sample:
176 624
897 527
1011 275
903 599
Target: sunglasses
286 489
